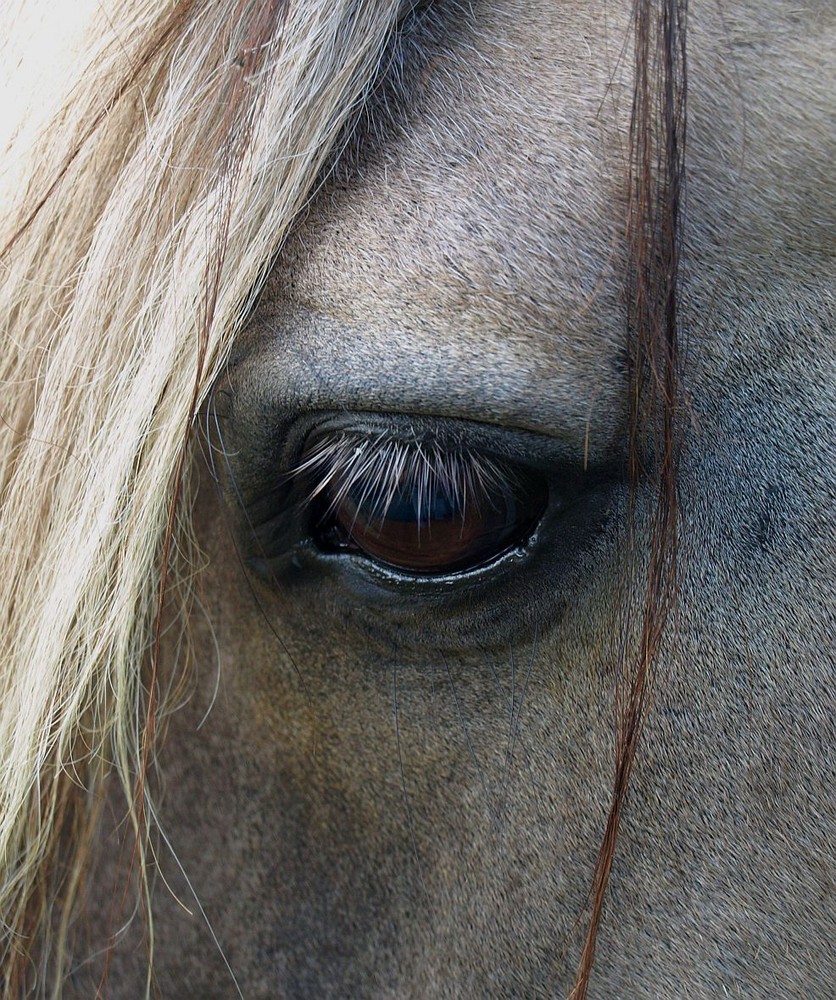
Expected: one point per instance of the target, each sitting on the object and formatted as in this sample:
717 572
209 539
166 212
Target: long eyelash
384 467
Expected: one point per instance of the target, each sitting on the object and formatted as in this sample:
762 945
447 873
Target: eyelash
385 466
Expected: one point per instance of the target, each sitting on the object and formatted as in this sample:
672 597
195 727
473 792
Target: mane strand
654 228
149 220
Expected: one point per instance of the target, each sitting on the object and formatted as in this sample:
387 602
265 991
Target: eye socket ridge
420 506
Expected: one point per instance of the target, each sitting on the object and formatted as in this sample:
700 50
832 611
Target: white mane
180 144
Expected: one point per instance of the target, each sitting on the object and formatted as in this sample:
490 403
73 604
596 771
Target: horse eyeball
425 510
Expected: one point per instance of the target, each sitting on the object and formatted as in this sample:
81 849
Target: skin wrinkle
398 795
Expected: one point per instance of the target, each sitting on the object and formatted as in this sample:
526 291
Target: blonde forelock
149 213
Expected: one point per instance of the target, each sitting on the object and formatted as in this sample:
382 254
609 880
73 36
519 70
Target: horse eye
420 508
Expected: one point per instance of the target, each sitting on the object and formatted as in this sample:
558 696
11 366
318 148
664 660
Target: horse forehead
483 231
492 217
501 172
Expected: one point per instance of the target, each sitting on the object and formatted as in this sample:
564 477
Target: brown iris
419 507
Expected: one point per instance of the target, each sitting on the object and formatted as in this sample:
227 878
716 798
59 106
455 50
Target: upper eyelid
263 443
326 370
452 434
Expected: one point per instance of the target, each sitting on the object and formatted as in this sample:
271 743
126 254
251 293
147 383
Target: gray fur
376 807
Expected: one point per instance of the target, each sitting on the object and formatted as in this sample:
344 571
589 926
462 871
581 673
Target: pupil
410 503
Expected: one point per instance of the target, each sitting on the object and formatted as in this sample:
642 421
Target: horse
417 502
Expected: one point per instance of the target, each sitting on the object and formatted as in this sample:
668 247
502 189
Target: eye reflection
418 506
